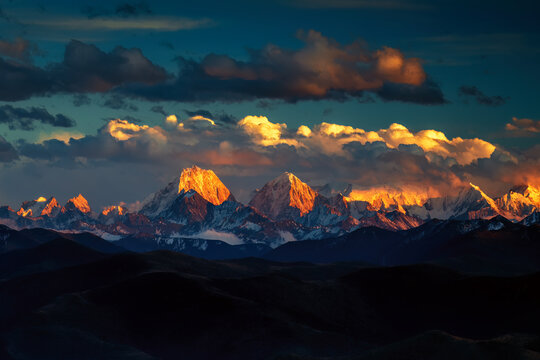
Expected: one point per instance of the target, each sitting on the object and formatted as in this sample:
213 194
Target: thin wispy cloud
155 23
360 4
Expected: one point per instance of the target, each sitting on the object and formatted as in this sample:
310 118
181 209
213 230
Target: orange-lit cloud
123 130
524 125
64 136
330 139
392 66
265 133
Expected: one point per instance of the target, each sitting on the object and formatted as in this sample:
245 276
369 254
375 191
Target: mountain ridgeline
198 205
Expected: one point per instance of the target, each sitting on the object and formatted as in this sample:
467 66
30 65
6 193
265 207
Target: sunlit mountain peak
39 207
283 193
205 183
114 210
79 203
382 198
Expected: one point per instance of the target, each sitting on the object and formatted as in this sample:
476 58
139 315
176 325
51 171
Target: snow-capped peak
78 203
284 194
205 183
39 207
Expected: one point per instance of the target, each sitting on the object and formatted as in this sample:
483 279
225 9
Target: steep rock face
112 214
285 197
78 203
532 219
39 207
519 202
393 221
188 207
205 183
469 203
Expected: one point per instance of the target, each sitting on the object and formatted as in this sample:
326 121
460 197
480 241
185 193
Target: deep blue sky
483 56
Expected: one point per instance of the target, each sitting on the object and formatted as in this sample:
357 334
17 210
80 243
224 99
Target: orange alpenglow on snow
114 209
80 203
385 198
285 191
205 183
49 208
302 196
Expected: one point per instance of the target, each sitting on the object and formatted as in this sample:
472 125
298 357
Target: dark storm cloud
84 69
429 93
19 49
25 119
7 151
88 69
118 102
480 97
123 10
322 69
22 81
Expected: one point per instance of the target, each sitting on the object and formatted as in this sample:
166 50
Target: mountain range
197 205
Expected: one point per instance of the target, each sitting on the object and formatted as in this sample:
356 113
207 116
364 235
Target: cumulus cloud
322 69
265 133
523 126
257 149
480 97
25 119
123 130
331 138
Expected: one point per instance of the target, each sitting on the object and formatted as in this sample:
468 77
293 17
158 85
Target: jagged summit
114 210
39 207
284 196
205 183
78 203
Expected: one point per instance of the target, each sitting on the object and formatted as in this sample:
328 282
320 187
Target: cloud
523 126
154 23
118 102
427 93
123 130
24 81
123 10
7 151
64 136
84 69
257 149
480 97
331 138
322 69
158 109
25 119
88 69
19 49
118 141
81 99
265 133
360 4
219 117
